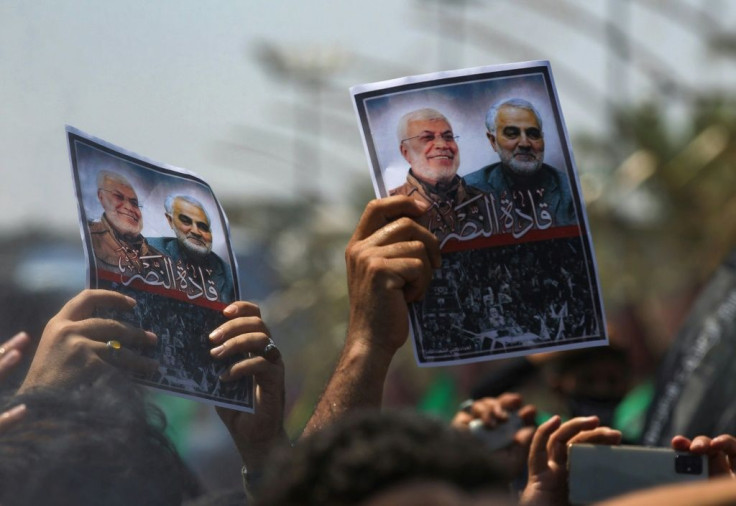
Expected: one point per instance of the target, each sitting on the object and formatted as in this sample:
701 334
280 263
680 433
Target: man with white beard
117 243
191 249
428 144
522 184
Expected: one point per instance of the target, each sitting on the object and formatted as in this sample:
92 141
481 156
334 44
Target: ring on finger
2 350
270 351
114 346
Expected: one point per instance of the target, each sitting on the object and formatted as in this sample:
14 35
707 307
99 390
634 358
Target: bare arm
246 335
390 260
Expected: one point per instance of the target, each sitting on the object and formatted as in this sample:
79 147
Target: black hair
97 442
369 452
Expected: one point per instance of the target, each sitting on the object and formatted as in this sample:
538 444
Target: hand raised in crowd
494 413
720 450
11 353
547 484
245 335
390 260
75 343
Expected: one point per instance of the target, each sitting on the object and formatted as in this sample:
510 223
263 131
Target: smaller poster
158 234
488 150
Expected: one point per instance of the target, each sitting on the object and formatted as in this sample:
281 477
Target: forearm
256 453
357 383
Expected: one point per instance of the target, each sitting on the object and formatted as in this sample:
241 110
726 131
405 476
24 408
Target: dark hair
99 442
367 453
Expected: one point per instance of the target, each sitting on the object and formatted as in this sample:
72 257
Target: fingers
490 410
103 329
244 333
242 308
598 436
538 458
528 414
725 443
85 303
510 401
388 221
523 437
381 211
681 444
19 342
557 444
124 358
12 416
701 445
258 367
403 266
11 353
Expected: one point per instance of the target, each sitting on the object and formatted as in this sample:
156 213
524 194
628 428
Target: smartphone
598 472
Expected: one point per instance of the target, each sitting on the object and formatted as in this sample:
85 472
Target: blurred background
253 97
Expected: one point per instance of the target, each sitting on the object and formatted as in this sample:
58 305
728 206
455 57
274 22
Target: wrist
363 346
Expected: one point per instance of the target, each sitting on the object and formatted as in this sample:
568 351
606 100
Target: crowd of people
519 296
78 431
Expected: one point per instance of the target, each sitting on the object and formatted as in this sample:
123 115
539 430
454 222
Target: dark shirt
543 200
116 253
195 276
455 209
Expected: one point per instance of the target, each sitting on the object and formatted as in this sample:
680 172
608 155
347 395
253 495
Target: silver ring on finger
270 351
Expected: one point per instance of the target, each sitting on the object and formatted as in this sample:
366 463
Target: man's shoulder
405 189
481 178
167 245
160 242
553 176
96 227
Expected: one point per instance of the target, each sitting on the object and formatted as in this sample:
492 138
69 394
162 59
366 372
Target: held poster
158 234
488 150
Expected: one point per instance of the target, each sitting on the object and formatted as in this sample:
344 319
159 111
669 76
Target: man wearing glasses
527 191
116 239
428 144
191 250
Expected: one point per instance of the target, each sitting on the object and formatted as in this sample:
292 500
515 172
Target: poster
488 150
158 234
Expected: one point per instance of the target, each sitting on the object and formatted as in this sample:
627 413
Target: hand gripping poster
158 234
487 150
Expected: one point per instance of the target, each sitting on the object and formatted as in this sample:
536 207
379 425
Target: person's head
120 202
98 442
191 224
427 142
371 452
592 381
514 128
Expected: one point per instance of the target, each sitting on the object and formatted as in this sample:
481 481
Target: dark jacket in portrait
548 190
116 253
455 208
197 273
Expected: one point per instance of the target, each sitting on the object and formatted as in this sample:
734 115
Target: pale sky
178 82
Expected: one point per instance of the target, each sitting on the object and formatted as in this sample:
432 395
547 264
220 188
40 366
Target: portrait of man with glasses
116 238
429 146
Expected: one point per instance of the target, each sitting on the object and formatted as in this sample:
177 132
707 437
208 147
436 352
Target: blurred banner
696 386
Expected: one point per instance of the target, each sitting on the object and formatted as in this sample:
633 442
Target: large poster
487 149
158 234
